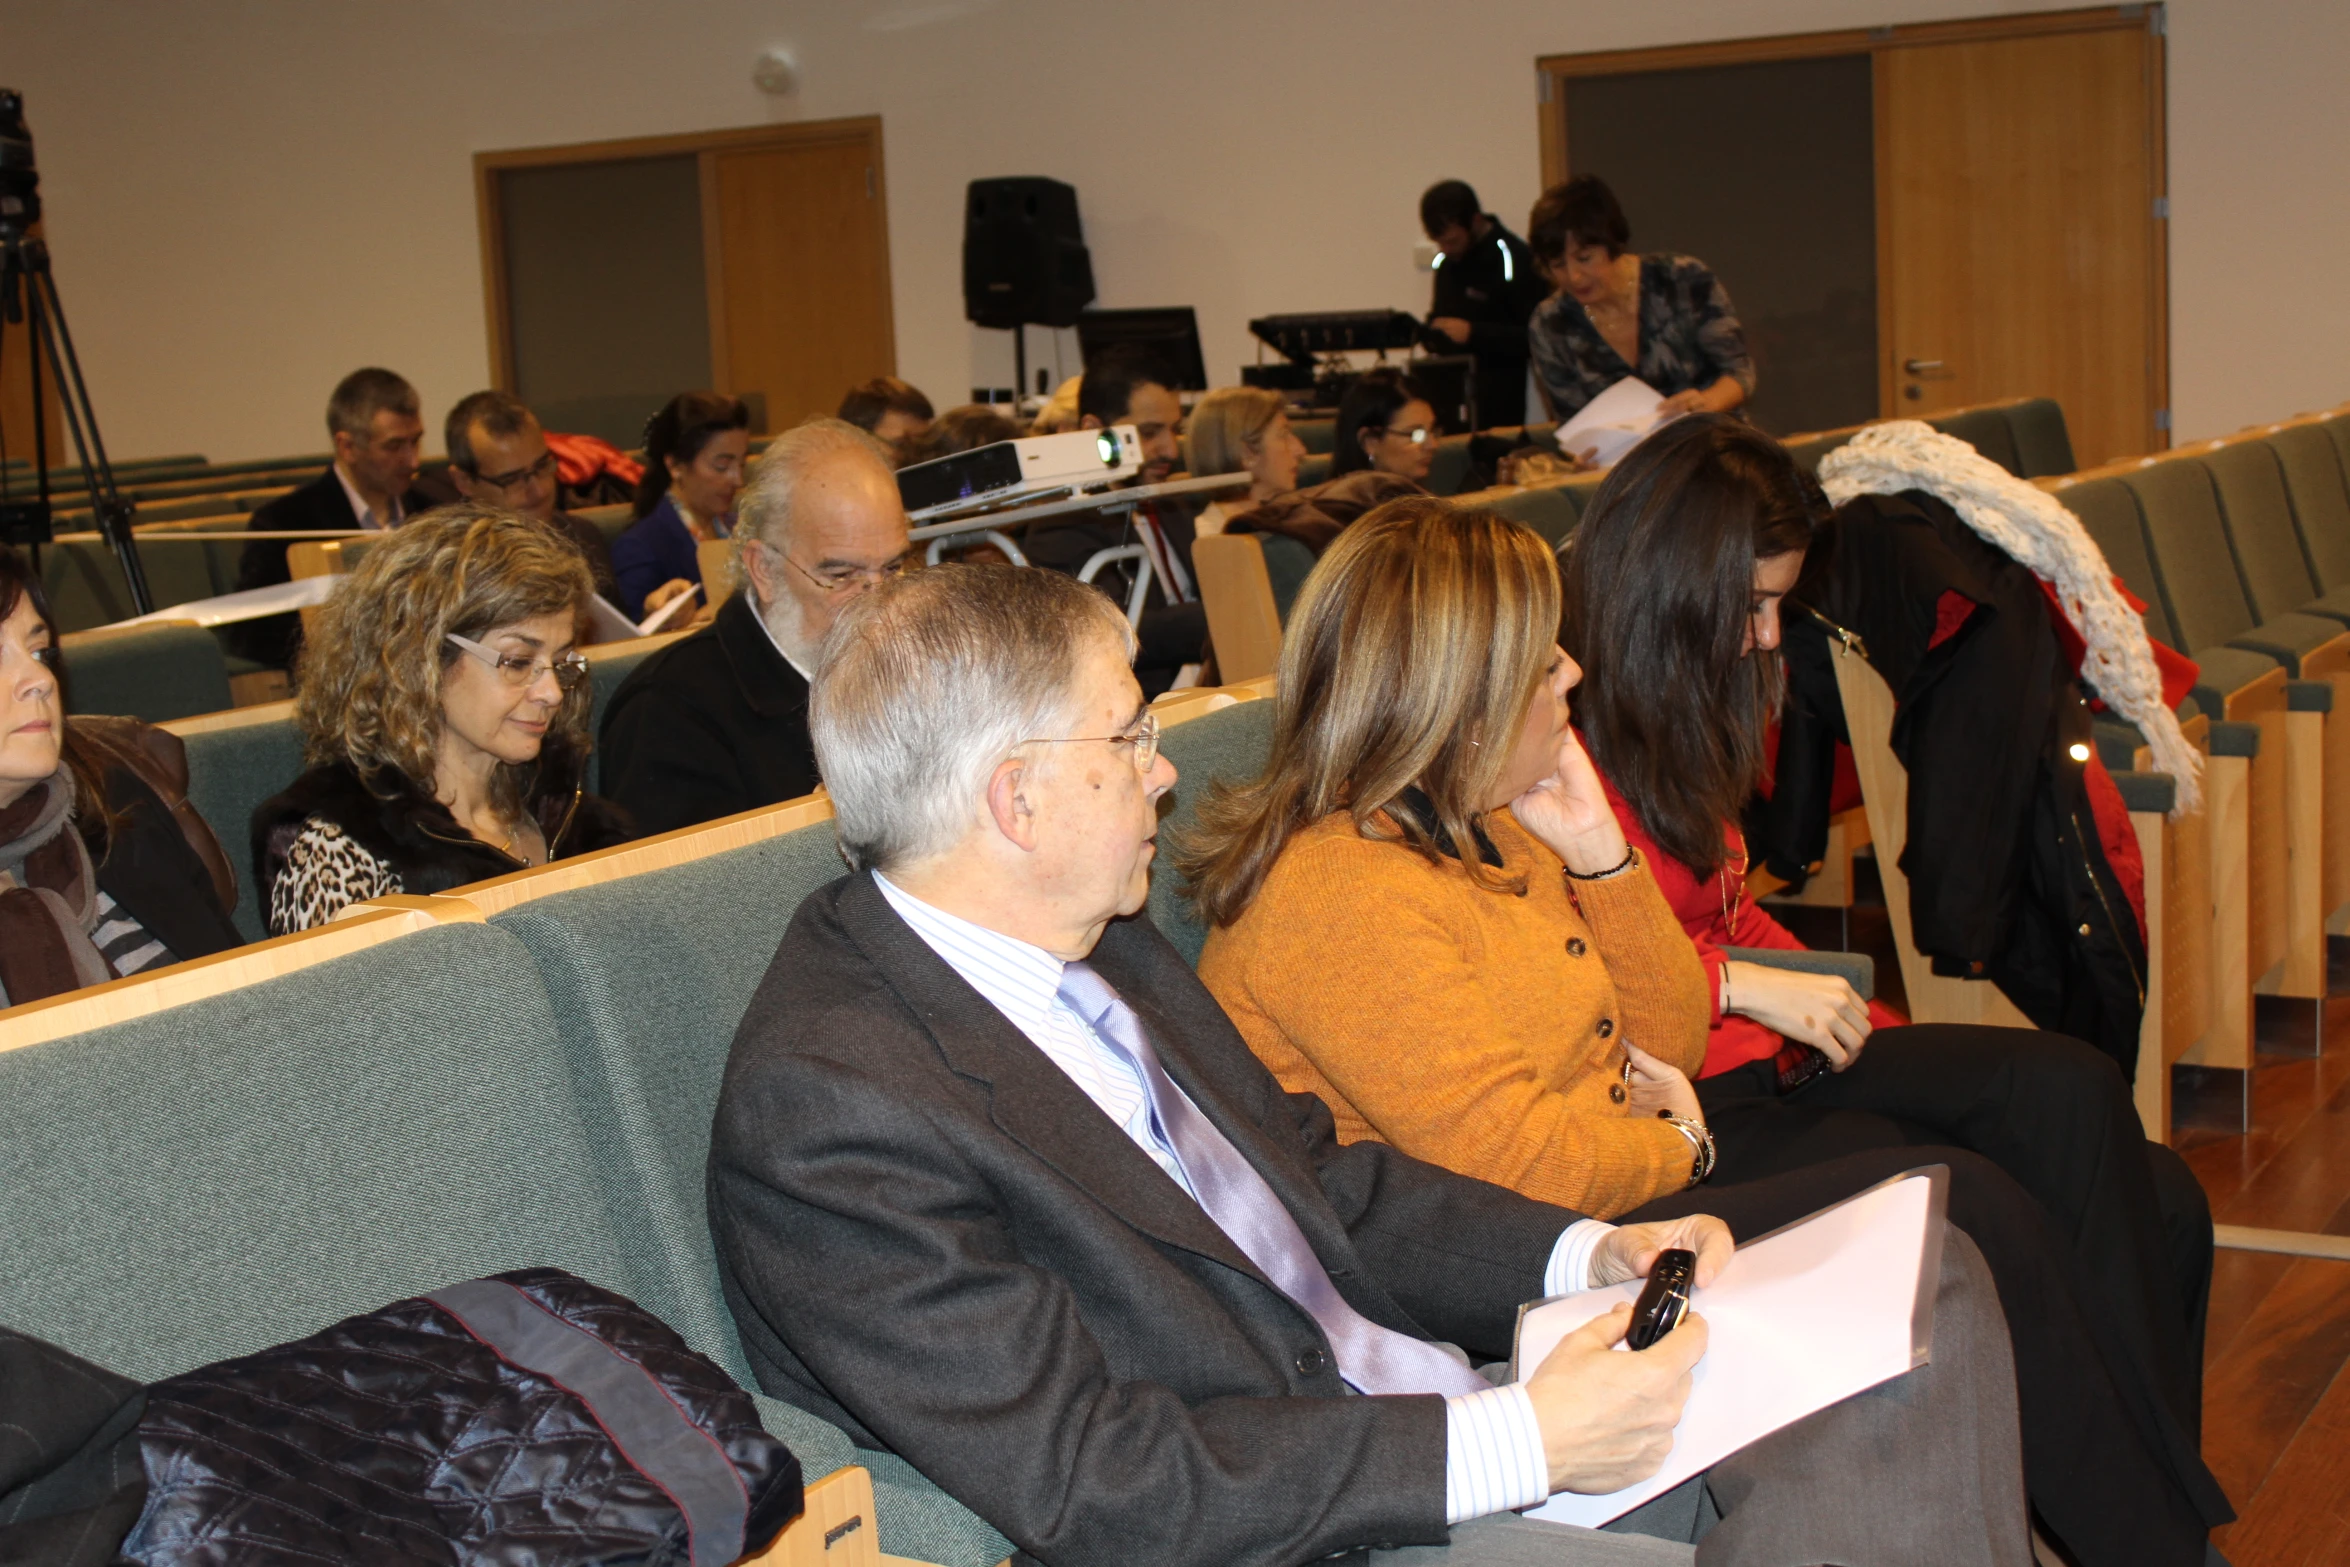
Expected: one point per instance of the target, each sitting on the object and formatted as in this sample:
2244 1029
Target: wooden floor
2277 1360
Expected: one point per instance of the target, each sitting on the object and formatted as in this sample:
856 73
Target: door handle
1920 366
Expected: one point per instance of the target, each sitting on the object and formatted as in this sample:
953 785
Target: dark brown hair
686 423
1424 632
91 815
864 405
1583 211
1659 589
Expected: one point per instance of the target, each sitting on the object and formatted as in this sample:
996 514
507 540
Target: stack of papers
1800 1319
1614 422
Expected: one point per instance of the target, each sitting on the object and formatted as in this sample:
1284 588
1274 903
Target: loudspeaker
1024 255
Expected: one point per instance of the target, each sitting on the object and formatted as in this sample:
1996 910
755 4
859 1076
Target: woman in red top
1672 599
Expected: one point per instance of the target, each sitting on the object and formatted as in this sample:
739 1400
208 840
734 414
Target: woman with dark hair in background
1670 603
694 453
443 707
1614 314
1386 423
105 869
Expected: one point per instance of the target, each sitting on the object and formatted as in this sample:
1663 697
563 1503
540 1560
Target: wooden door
798 250
2018 238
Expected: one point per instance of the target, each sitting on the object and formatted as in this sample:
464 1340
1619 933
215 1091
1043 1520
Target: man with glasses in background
718 723
498 456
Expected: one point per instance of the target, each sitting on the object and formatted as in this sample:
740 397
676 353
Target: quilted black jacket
403 1437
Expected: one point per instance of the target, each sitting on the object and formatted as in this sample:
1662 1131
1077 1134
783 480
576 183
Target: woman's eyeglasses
1420 436
569 670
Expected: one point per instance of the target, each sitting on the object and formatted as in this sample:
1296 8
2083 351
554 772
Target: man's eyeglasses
1420 436
541 470
569 670
840 579
1144 737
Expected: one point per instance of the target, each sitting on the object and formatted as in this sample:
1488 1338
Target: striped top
123 942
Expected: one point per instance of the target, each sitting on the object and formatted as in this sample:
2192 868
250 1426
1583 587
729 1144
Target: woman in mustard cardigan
1426 914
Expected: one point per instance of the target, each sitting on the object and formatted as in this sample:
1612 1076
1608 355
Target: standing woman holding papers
1665 320
1426 914
443 707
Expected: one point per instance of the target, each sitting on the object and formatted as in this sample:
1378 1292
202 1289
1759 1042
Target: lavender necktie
1371 1358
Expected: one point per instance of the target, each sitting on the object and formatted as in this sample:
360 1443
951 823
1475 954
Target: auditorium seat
2042 444
1985 429
236 760
163 670
610 521
1318 434
2320 496
1312 470
1450 467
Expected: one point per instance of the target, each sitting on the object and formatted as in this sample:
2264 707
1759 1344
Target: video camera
20 183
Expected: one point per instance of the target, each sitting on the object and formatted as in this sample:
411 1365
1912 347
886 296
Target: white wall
250 197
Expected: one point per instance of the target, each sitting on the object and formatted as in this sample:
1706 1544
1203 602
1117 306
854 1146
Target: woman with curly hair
443 709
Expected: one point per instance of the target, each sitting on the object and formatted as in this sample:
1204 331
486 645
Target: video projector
1033 465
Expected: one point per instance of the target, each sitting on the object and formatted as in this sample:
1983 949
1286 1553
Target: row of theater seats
2240 548
239 1151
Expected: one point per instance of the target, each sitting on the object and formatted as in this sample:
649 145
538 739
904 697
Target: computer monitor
1170 333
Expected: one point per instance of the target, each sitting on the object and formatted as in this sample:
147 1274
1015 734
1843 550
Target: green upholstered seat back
2043 447
2321 499
247 1169
2207 601
2109 510
1984 429
1232 744
1287 565
1450 467
649 978
230 772
610 521
2259 519
1807 450
2337 429
606 671
84 586
152 672
1551 510
1316 433
1313 470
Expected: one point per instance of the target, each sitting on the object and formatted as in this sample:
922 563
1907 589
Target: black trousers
2100 1477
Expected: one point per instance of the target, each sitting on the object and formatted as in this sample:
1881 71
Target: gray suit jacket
931 1237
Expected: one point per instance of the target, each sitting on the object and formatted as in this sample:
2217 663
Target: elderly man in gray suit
996 1187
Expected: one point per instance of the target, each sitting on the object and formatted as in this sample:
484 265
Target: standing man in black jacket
718 723
1486 289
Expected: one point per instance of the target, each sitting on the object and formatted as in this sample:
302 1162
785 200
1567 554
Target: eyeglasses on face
538 471
1419 435
569 670
841 579
1144 737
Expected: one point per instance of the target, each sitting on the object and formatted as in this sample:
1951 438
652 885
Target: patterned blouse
1689 338
325 873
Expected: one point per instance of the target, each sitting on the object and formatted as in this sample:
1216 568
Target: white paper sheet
1799 1320
1612 423
250 604
659 619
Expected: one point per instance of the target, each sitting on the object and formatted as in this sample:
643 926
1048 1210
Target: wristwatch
1701 1145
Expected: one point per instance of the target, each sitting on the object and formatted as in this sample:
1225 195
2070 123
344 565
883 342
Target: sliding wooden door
2018 233
754 262
2018 242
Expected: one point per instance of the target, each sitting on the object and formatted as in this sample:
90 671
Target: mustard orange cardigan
1476 1030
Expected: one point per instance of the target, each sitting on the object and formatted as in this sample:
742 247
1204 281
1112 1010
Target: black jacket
712 724
1173 632
416 836
321 506
2007 876
1494 286
931 1237
153 873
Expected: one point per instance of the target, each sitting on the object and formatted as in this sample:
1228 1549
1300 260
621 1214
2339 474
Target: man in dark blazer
1125 385
718 723
498 455
997 1187
378 442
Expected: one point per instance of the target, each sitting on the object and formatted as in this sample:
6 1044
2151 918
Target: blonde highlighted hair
372 668
1224 426
1410 660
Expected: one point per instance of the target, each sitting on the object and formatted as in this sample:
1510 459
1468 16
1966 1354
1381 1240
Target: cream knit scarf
2032 526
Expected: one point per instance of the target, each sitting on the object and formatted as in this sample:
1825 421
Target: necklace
1733 891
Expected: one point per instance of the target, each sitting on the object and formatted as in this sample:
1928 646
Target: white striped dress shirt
1493 1457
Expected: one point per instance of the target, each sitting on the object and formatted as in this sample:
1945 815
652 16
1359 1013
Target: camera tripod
28 297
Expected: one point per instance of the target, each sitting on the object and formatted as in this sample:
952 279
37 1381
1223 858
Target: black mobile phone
1798 1063
1665 1299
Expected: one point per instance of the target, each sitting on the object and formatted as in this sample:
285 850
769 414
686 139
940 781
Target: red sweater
1717 913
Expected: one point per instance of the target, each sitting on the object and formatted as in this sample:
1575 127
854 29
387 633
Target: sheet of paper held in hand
1800 1319
1612 423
